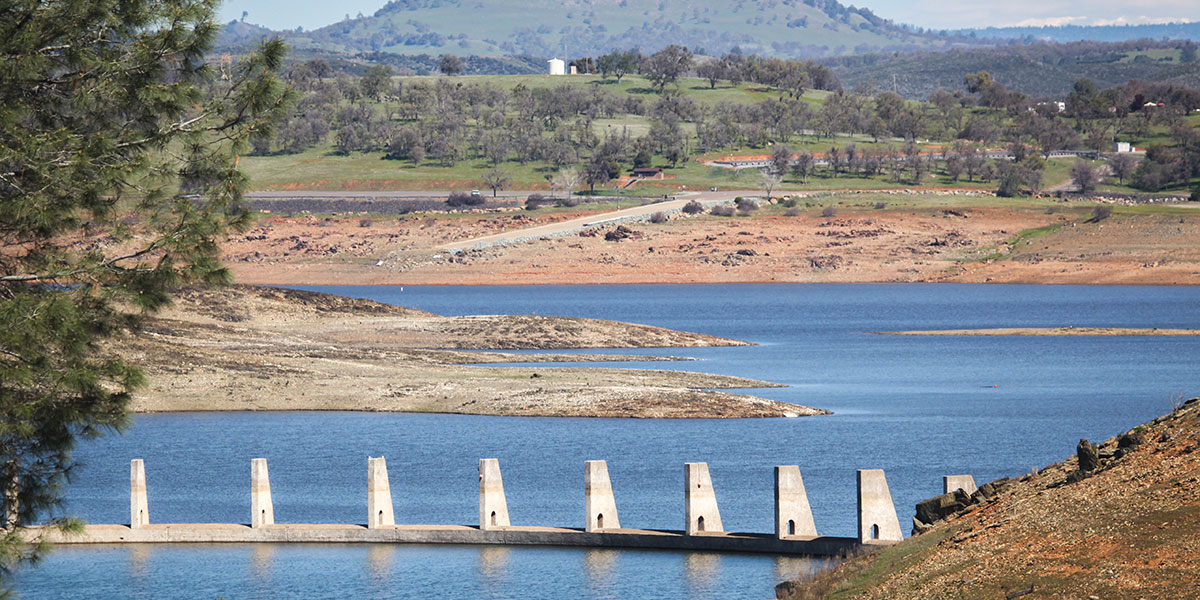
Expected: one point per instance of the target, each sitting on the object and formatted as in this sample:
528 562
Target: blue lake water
918 407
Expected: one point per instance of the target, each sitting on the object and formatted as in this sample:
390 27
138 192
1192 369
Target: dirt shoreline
964 242
254 348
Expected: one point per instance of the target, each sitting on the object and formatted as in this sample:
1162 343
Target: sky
936 14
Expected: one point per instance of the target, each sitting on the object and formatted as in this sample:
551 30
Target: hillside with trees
1039 69
647 111
784 28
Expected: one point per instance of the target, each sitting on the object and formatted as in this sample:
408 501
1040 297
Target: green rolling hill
545 28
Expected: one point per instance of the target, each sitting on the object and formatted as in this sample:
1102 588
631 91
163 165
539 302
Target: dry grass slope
1128 530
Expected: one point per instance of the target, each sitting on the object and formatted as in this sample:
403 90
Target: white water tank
557 66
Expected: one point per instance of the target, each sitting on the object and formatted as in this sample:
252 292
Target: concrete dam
795 532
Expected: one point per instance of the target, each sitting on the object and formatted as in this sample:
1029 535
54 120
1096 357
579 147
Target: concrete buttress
493 508
139 506
598 500
699 500
379 494
793 513
877 520
965 483
262 511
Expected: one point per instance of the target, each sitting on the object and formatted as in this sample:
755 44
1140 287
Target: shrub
658 217
746 205
880 205
829 211
790 202
792 212
535 201
1195 197
457 199
723 210
569 201
693 208
364 222
1100 213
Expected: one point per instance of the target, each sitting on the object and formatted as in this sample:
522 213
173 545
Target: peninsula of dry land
255 348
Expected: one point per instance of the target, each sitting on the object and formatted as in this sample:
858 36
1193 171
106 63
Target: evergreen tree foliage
118 177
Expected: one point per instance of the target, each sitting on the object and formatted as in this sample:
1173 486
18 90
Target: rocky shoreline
257 348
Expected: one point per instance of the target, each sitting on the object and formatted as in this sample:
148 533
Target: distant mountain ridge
1039 69
784 28
1094 33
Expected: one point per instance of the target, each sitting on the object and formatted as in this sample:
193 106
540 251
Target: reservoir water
918 407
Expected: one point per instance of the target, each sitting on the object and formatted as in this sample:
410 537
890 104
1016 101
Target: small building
1122 147
647 173
557 66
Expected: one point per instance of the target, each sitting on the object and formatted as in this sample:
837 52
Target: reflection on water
600 566
379 560
701 569
795 567
493 564
139 557
262 562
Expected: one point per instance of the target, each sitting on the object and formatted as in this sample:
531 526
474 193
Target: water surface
918 407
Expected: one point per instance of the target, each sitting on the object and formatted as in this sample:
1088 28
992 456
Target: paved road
573 225
368 195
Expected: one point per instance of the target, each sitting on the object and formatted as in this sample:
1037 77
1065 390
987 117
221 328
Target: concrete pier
599 503
262 511
379 494
795 533
793 513
493 507
877 520
699 500
208 533
139 506
965 483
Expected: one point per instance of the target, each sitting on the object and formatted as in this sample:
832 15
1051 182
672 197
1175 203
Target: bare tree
497 179
769 180
567 179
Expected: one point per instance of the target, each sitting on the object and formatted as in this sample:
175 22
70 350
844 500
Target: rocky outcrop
941 507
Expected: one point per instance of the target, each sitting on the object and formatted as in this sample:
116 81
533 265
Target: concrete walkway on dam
795 531
187 533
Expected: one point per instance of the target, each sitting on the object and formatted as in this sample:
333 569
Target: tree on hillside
769 180
450 64
1122 165
600 170
802 165
376 82
666 66
567 180
617 64
496 179
713 71
781 159
1084 176
118 177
